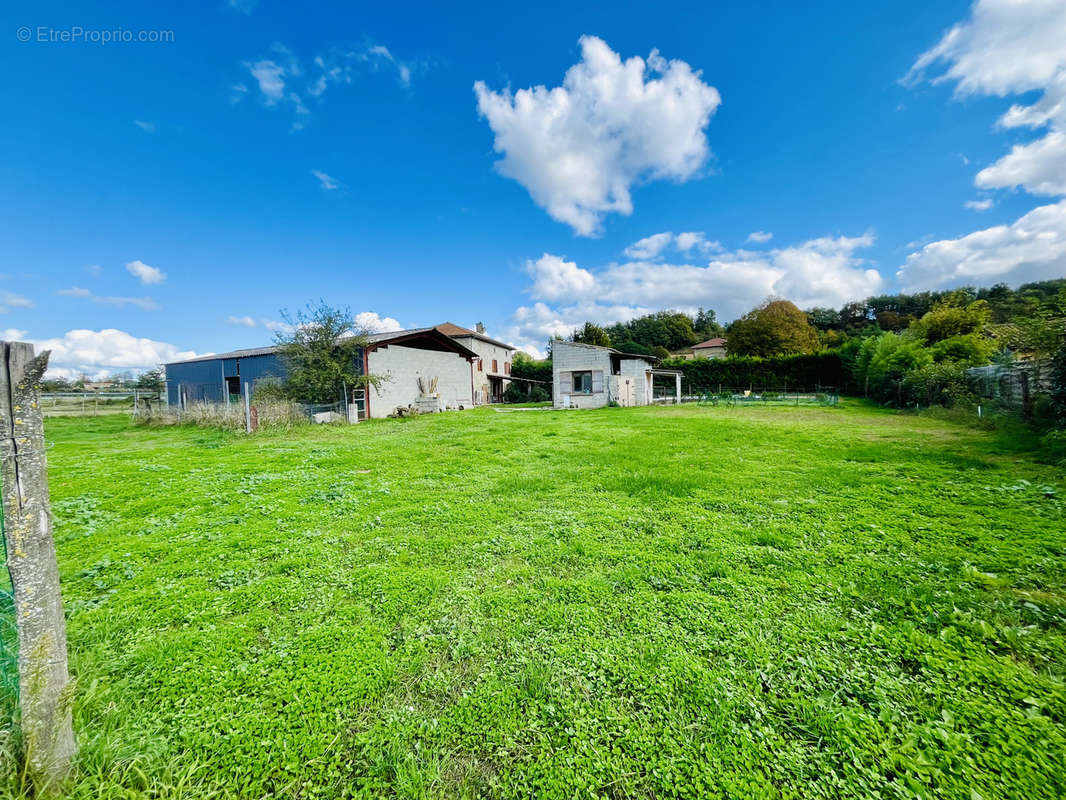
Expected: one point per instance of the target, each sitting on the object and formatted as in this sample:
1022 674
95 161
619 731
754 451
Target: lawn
658 602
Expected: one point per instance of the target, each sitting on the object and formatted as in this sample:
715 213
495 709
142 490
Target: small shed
589 376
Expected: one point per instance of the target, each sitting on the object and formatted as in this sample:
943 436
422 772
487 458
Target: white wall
487 352
570 357
636 370
405 365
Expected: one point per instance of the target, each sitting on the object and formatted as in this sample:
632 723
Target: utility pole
45 690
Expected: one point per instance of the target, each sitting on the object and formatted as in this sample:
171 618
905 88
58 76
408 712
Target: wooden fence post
45 689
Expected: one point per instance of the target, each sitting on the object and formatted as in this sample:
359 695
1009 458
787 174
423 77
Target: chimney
480 328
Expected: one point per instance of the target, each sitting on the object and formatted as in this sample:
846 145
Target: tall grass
272 414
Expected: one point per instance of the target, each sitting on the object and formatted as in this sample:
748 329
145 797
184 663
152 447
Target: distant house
588 376
712 348
492 369
401 356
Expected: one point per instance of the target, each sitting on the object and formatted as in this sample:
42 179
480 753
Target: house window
506 367
480 365
494 365
582 383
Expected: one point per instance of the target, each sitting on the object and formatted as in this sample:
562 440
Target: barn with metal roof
402 357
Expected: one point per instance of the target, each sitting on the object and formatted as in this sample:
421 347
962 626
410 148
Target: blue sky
165 198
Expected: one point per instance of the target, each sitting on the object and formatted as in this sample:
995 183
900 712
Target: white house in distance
588 376
492 368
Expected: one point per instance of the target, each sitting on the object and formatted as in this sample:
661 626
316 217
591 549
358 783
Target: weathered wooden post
45 690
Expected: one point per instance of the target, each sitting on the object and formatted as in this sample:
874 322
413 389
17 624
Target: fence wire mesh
9 675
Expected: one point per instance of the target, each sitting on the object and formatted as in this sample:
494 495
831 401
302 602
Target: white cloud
145 273
1006 46
372 323
652 247
94 270
10 300
283 82
580 147
276 326
760 237
101 352
379 54
146 303
820 272
686 242
328 183
1031 248
13 334
978 205
1011 47
368 321
147 127
554 278
1039 167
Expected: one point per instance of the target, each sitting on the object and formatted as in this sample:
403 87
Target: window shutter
597 381
566 383
494 365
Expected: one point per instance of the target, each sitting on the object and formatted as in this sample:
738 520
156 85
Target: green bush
518 393
702 375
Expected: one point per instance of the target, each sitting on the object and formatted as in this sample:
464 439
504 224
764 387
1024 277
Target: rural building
492 370
588 376
403 357
712 348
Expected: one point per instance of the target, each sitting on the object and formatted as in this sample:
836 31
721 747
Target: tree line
900 349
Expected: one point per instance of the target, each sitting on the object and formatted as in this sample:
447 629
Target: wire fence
91 404
9 672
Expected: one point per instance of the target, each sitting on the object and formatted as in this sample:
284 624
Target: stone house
492 369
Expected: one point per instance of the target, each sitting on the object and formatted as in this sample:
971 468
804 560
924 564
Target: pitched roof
449 330
644 356
452 329
717 341
372 338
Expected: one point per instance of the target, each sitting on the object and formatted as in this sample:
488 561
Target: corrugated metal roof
247 353
373 338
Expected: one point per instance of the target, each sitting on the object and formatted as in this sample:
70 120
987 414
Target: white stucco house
492 368
588 376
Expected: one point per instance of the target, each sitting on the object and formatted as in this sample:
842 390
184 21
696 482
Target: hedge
817 370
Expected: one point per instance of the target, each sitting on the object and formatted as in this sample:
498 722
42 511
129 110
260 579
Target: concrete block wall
637 371
570 357
405 365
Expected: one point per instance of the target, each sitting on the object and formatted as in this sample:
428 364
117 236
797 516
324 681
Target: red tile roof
716 342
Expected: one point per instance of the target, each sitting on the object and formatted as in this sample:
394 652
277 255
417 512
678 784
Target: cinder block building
589 376
402 357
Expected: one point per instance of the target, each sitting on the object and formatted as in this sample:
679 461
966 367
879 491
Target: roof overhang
429 339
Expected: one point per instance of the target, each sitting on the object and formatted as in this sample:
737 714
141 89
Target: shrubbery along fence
814 372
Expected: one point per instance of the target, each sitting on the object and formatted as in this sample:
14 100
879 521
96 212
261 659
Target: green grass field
648 603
